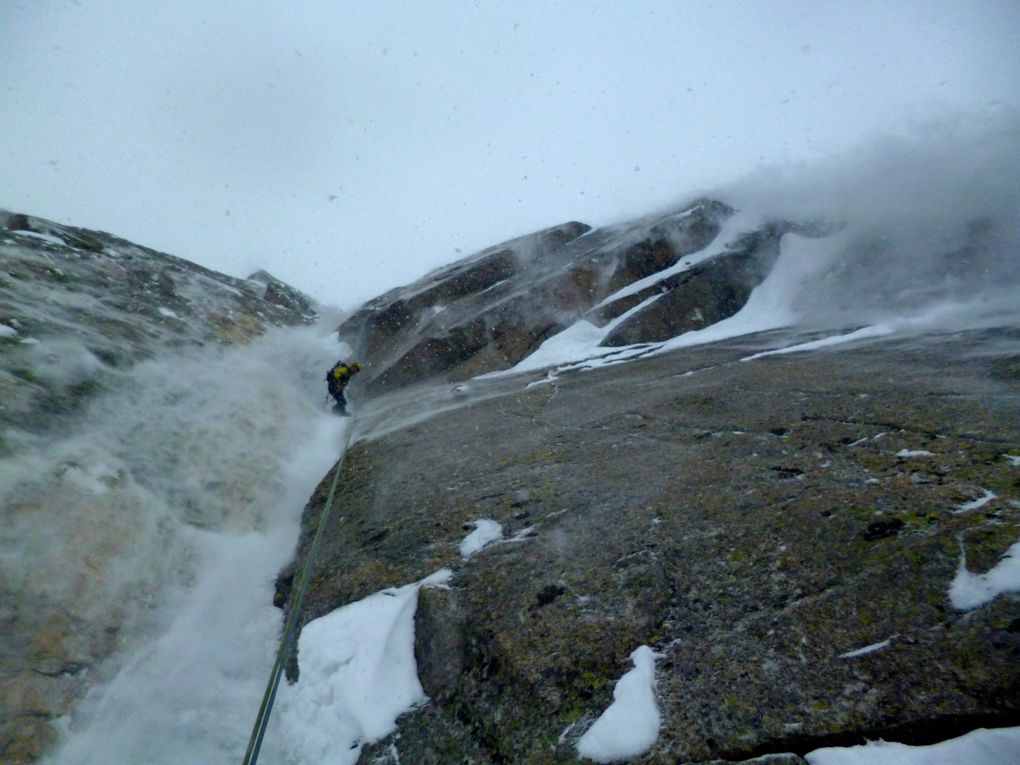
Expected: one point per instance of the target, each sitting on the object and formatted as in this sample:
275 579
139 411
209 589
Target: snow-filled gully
186 687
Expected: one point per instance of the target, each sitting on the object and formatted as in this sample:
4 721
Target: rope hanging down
297 600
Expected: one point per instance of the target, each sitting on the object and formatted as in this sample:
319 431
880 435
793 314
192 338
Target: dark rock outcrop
491 310
693 299
753 522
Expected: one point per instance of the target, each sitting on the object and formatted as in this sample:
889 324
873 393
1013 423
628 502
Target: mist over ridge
921 220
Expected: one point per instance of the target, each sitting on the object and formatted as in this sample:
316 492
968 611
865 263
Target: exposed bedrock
756 523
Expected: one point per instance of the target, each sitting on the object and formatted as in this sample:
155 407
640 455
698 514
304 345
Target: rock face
77 309
756 523
713 290
81 304
282 294
489 311
782 530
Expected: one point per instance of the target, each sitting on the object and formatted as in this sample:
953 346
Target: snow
969 591
43 237
6 331
528 532
1014 459
550 378
908 453
770 306
731 229
575 342
358 674
867 649
877 330
630 726
980 747
170 314
772 303
978 503
486 532
180 496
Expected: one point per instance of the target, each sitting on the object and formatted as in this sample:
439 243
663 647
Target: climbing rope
289 630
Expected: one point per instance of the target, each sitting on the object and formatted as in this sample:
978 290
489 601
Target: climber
337 379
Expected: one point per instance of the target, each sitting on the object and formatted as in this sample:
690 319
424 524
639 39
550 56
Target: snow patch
908 453
170 314
867 649
978 503
528 532
358 674
630 726
572 344
43 237
877 330
969 591
6 331
486 532
980 747
1014 459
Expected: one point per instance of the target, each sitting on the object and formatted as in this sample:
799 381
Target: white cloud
221 131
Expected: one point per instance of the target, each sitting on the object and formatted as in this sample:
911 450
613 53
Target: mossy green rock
753 522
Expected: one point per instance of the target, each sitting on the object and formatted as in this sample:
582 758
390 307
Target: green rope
287 640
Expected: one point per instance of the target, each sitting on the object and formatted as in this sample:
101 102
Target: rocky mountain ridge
79 311
96 303
490 310
783 529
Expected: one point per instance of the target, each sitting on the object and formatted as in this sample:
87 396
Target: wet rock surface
754 522
78 308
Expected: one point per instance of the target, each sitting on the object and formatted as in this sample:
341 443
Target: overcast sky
349 147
